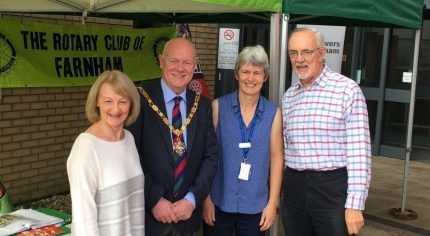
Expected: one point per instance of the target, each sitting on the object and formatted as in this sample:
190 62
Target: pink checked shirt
326 127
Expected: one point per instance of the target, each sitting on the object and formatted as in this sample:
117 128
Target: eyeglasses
304 53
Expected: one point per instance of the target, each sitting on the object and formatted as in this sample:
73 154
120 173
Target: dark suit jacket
154 144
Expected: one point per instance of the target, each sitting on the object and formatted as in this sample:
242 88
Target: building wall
205 37
37 129
39 125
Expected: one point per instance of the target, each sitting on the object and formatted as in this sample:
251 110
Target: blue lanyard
251 129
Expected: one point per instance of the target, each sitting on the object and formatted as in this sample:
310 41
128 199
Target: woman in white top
106 179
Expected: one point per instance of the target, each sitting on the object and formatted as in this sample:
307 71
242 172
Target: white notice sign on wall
228 48
407 77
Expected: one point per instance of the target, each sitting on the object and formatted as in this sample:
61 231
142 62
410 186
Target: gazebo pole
404 213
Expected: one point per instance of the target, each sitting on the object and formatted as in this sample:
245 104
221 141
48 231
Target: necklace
154 107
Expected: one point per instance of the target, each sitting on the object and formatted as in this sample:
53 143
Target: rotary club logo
7 54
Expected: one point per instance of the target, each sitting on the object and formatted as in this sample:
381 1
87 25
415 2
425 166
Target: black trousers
314 202
171 231
237 224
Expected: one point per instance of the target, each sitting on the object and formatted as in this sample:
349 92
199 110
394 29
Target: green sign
50 55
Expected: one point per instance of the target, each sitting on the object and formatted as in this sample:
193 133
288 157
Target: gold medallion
179 147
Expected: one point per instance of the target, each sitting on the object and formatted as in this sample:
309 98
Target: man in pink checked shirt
327 145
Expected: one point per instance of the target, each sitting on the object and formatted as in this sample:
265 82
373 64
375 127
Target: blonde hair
122 85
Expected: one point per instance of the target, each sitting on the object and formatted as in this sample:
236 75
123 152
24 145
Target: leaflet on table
49 230
24 219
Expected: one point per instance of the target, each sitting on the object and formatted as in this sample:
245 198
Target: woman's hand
267 217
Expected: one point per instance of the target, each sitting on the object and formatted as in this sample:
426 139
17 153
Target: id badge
245 171
245 145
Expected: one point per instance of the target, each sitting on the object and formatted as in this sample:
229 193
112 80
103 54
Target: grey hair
319 36
254 55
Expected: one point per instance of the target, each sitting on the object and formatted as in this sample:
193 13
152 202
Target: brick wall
39 125
205 37
37 129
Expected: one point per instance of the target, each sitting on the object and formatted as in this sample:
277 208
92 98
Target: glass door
380 60
364 61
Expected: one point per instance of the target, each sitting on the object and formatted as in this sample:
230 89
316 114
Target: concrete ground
386 192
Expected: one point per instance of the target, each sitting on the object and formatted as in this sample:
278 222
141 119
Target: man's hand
354 220
163 212
183 209
267 217
208 213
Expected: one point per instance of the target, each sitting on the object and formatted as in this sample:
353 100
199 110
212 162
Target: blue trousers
228 223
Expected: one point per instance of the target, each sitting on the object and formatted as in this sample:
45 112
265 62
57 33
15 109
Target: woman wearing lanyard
245 192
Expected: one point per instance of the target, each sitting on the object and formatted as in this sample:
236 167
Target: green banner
258 5
49 55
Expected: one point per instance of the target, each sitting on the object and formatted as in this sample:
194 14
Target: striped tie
179 154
